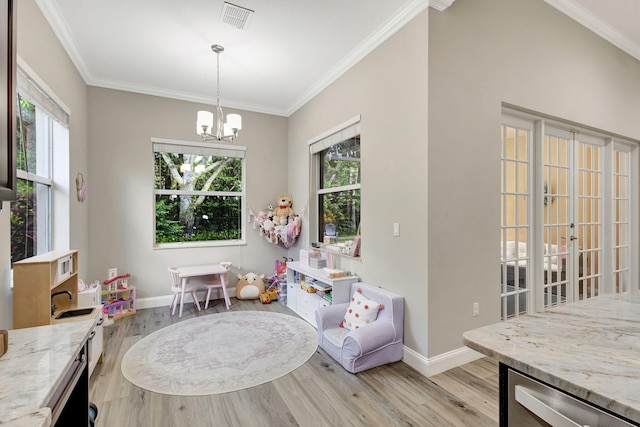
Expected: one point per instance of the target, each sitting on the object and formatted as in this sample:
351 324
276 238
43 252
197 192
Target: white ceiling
289 52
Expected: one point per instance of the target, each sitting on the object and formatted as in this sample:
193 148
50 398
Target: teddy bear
249 286
283 211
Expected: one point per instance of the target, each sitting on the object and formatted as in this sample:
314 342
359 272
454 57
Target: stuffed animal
268 225
272 293
250 286
265 297
283 211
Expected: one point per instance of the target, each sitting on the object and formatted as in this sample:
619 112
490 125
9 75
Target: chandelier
223 131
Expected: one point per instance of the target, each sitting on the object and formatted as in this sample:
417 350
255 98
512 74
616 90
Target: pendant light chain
218 78
220 116
206 122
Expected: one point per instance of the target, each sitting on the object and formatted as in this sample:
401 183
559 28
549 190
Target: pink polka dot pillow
361 311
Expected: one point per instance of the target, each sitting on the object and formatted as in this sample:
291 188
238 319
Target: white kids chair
219 281
180 287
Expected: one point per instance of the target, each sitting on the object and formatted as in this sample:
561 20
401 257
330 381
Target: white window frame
318 144
204 148
52 123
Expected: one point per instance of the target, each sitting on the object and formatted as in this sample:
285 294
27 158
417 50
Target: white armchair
374 344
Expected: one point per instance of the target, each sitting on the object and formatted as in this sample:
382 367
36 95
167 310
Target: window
339 192
199 193
30 212
337 162
42 125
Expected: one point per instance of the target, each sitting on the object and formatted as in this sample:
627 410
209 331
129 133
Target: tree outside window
199 193
30 212
339 189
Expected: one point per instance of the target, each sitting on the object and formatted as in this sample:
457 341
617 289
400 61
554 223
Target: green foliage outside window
23 225
24 236
340 168
198 198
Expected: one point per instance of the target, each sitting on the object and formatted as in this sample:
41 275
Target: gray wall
389 89
481 54
42 52
121 125
478 55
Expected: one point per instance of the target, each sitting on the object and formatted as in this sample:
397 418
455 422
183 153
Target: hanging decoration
280 224
81 188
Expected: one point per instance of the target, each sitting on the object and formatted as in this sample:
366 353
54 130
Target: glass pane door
568 211
572 217
588 233
621 214
514 233
557 213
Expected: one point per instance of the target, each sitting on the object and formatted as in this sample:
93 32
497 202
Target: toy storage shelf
119 302
304 303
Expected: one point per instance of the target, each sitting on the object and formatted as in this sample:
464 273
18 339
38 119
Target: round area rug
219 353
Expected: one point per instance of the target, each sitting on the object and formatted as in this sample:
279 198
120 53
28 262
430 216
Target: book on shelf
321 286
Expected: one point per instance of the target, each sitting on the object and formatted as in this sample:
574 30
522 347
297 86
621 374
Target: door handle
572 238
541 409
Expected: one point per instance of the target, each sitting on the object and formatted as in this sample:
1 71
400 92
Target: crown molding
184 96
386 30
59 26
57 22
440 5
582 16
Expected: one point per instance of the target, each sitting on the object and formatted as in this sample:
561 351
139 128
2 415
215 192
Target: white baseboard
165 300
440 363
152 302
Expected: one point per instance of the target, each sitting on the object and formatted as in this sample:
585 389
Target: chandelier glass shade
205 121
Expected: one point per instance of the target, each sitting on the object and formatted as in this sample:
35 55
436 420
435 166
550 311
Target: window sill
335 250
191 245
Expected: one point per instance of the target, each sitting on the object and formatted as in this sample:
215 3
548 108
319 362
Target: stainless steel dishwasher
70 401
531 403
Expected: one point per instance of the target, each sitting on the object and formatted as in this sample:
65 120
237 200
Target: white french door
568 211
623 218
572 223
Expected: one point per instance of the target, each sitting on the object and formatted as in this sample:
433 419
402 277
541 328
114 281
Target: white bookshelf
304 303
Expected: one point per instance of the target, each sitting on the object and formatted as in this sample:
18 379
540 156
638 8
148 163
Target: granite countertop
590 349
33 367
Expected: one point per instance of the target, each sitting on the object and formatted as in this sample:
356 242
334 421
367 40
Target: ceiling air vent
235 16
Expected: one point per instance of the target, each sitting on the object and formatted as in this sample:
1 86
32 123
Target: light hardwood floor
319 393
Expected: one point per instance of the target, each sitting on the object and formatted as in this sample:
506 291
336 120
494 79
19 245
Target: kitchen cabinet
92 297
96 337
36 279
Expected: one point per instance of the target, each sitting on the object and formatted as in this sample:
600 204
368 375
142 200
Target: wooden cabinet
36 279
305 304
